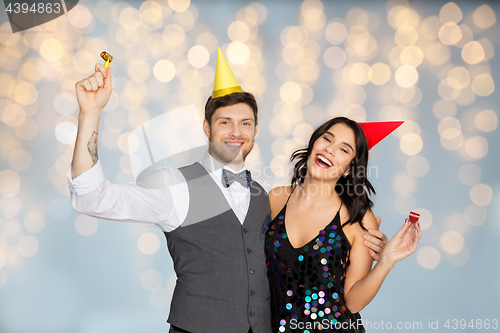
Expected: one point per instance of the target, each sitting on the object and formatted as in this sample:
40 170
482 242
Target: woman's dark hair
239 97
354 188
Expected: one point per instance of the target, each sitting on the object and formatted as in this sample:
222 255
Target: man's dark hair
227 100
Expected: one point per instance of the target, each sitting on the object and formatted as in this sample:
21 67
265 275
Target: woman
319 269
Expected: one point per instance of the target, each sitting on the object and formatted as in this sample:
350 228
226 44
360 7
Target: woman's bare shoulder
281 190
278 197
369 221
354 231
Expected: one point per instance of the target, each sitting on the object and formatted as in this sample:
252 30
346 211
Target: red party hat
377 131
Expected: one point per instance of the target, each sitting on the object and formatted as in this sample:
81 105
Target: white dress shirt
164 203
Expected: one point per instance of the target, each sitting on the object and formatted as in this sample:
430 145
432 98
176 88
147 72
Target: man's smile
236 144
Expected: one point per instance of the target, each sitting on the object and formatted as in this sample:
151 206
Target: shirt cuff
88 181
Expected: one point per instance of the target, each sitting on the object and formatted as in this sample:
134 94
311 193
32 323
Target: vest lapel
201 175
254 193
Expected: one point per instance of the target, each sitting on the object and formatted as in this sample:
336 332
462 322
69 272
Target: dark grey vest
222 284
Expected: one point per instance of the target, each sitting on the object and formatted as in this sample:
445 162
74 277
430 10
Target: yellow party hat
225 83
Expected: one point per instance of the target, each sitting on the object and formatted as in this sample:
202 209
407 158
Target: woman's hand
403 243
375 241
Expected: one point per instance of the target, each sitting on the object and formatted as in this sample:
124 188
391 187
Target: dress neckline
283 213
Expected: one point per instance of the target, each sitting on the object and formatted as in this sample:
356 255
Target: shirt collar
215 167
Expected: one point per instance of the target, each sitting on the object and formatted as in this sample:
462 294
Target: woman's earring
346 173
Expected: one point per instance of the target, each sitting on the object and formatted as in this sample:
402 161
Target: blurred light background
432 64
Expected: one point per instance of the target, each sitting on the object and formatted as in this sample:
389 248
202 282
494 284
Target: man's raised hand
93 92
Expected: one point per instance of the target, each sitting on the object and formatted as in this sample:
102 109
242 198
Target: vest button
251 271
252 292
251 314
249 251
245 230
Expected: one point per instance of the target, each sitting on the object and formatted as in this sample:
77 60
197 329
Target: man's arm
92 94
161 198
154 200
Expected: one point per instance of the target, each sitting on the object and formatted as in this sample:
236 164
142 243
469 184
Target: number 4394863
476 324
35 8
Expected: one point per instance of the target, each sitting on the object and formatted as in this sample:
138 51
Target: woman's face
332 153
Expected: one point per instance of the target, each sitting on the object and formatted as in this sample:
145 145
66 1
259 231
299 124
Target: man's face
231 134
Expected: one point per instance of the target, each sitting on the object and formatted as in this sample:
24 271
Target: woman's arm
375 240
362 283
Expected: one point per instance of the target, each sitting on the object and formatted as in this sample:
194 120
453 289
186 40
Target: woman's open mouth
323 162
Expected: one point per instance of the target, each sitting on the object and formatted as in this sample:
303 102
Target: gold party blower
107 57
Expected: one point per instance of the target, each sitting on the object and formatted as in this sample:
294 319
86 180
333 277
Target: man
213 219
212 213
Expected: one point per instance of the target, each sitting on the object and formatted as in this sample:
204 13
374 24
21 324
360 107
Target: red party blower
414 217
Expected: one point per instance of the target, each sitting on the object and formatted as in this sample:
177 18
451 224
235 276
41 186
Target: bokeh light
449 128
198 56
475 215
164 70
151 280
470 174
434 68
411 144
461 258
450 13
476 147
34 222
473 53
486 121
334 57
379 73
481 194
10 227
428 257
28 246
66 132
290 92
179 5
238 53
406 76
483 85
452 242
406 36
10 183
238 31
336 33
86 225
148 243
417 166
450 33
411 56
484 17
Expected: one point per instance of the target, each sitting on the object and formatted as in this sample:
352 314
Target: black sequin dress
307 283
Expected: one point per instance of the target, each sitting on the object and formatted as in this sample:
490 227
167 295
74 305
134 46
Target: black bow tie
229 177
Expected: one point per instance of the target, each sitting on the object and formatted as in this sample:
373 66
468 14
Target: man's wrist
92 119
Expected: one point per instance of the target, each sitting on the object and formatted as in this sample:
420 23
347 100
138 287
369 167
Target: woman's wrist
385 262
